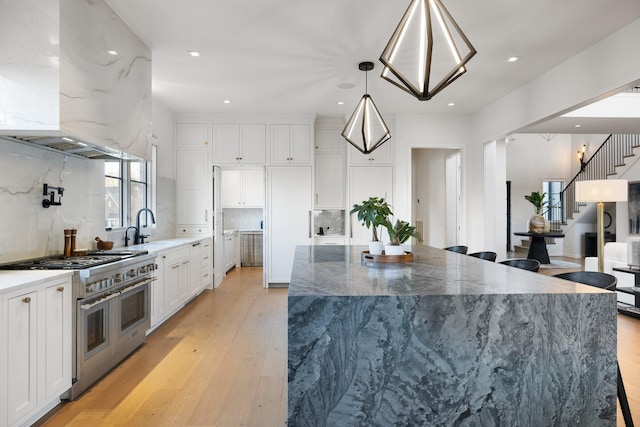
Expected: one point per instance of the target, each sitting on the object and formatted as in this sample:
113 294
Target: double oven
111 291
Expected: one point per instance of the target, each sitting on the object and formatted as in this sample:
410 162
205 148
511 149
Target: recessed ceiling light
513 59
451 104
577 126
194 52
346 85
227 101
340 103
112 52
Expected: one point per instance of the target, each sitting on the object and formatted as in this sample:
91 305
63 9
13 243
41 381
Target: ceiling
291 56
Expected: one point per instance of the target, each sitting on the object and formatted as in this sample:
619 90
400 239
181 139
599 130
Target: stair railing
602 164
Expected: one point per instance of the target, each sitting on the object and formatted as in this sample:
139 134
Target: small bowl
81 252
104 245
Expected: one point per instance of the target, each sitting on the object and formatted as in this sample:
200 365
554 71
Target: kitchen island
445 340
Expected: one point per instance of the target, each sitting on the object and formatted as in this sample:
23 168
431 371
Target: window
126 191
553 190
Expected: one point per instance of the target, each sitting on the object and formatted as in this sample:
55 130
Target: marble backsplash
31 231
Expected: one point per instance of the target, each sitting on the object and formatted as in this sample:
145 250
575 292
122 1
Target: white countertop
160 245
13 279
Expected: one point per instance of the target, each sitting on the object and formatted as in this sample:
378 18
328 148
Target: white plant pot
394 250
375 248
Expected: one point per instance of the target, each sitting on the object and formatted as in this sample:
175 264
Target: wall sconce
420 64
365 129
581 157
52 199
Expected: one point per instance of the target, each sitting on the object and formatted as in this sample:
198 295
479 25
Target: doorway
436 183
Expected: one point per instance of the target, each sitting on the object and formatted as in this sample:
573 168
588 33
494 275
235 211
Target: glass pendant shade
365 129
412 59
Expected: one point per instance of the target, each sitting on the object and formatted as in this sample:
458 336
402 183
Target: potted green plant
399 233
537 223
373 213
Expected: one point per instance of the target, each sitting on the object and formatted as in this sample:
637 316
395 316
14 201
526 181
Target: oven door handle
137 285
100 301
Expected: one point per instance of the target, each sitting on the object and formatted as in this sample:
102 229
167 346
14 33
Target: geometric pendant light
365 129
427 52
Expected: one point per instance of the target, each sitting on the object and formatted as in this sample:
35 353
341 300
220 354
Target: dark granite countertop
337 271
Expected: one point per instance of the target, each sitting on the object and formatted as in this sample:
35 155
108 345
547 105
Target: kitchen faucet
126 235
139 237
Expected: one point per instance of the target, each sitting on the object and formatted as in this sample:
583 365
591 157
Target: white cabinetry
330 182
365 182
330 141
193 178
239 143
179 277
36 350
230 250
330 240
289 217
192 135
380 156
199 276
242 188
290 144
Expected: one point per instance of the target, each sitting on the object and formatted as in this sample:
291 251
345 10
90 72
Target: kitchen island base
448 340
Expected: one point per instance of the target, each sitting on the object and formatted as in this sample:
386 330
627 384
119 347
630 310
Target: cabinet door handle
175 266
61 289
26 300
309 224
185 262
206 215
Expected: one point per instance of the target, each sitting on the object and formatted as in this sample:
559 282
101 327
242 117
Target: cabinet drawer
178 254
192 231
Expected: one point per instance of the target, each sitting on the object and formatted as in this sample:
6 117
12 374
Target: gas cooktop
59 262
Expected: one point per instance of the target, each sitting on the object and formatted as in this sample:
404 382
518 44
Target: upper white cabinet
379 156
290 144
192 135
192 191
330 141
330 181
239 143
193 179
242 188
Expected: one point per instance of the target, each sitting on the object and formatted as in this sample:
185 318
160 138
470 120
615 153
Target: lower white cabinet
330 241
200 271
36 350
180 276
230 250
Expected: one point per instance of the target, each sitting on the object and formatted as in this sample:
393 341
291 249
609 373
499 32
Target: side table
538 246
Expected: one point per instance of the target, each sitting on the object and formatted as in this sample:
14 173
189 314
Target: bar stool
458 249
489 256
523 263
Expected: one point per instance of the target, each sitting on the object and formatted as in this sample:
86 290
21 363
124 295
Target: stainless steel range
112 297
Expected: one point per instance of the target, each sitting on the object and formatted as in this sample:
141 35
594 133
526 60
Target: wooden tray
366 257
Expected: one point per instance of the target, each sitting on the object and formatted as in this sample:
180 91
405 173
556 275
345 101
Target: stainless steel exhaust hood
70 145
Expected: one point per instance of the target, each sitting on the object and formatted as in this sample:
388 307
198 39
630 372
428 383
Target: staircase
601 165
604 163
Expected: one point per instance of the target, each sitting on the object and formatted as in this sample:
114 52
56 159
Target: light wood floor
221 361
